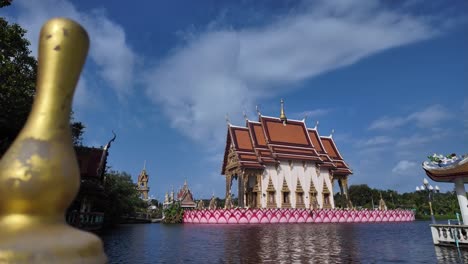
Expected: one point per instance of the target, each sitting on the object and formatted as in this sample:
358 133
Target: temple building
280 163
184 198
87 209
142 185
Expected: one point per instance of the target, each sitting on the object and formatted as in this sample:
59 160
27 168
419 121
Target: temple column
462 201
228 185
344 186
246 185
240 192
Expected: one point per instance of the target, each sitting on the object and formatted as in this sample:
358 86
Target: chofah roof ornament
438 160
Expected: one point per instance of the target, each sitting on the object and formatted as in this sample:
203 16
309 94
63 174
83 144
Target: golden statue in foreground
39 174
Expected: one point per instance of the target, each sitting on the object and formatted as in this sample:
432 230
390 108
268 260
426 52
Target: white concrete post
462 201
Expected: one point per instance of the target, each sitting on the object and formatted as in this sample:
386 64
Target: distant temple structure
184 198
143 183
280 163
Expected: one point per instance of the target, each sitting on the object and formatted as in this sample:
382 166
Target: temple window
313 200
300 198
271 197
326 200
285 197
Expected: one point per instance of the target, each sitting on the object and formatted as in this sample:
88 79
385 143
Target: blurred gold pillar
39 174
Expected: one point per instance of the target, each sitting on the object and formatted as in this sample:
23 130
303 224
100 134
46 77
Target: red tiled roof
269 139
335 157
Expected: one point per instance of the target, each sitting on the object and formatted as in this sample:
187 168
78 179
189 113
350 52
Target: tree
123 197
174 214
77 130
18 70
4 3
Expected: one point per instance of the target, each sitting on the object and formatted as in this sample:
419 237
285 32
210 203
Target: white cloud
311 114
374 141
405 167
108 50
388 123
426 118
226 71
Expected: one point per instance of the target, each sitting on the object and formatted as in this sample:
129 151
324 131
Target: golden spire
282 114
39 174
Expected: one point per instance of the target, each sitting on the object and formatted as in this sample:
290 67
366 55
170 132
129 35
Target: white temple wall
324 177
297 170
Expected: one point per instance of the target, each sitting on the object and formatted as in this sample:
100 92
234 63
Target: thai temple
281 163
87 209
184 198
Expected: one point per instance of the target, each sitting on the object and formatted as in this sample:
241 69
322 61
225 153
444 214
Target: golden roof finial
282 114
39 174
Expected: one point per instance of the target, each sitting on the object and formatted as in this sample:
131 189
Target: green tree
4 3
123 197
17 81
173 214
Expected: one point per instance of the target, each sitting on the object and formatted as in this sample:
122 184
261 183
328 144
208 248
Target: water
409 242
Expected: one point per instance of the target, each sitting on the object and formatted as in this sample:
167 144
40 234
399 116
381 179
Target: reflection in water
451 255
277 243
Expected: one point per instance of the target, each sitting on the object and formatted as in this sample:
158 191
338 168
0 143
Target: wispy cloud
427 118
109 49
311 114
405 167
224 70
374 141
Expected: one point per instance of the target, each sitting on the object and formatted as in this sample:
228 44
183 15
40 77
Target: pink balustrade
270 216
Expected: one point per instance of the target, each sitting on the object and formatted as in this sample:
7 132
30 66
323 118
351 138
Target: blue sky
389 77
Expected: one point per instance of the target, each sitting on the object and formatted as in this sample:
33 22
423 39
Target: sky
390 77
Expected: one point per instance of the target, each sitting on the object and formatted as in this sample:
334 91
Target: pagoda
143 183
281 163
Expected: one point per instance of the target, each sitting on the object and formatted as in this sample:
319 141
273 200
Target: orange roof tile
269 139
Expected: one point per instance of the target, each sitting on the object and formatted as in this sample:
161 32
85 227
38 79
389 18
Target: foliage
122 196
4 3
443 204
77 130
17 81
173 214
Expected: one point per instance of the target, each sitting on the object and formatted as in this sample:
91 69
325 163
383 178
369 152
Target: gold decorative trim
312 187
326 197
285 195
299 195
325 188
299 186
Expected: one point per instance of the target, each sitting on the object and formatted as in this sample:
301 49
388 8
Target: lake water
408 242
